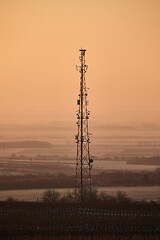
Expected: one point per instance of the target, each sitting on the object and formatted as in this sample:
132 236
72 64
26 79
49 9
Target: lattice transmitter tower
84 162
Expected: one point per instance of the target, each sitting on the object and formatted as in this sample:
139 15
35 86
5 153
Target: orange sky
39 48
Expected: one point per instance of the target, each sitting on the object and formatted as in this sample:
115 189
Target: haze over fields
39 44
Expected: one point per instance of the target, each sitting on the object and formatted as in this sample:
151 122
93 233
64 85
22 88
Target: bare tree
51 196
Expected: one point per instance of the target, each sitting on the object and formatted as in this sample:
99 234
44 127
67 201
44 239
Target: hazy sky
39 48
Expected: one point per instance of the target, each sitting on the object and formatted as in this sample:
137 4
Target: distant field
88 237
30 142
140 139
104 237
60 163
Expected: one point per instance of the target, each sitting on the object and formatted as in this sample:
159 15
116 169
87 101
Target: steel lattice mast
84 162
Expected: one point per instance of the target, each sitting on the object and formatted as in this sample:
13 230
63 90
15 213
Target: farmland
26 220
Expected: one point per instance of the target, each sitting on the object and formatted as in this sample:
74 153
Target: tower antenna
83 184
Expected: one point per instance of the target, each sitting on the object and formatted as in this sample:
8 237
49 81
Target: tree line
60 180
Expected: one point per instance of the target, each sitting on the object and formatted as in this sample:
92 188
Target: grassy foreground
40 220
89 237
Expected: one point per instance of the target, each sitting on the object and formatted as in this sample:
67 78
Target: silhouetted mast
84 162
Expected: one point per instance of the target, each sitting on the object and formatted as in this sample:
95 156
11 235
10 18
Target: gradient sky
39 48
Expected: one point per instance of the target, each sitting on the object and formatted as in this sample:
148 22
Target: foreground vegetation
87 237
52 196
51 220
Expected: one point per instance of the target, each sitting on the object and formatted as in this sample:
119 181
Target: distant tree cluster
154 160
128 178
60 180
